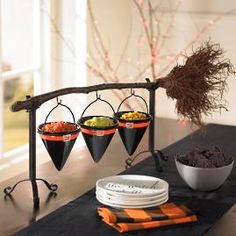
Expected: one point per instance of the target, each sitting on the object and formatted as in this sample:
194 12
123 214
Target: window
34 60
21 55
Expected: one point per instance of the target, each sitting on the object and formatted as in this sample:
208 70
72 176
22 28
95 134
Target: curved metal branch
33 103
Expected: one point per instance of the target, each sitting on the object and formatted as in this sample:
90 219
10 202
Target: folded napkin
125 220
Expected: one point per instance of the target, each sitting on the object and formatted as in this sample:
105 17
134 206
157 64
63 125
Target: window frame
41 43
44 66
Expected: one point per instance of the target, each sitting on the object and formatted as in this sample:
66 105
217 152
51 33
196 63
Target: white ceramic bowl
203 179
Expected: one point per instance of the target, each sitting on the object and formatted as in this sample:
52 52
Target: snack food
99 122
205 158
59 127
135 115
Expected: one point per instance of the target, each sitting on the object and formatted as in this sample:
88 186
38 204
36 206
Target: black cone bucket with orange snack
59 138
132 129
97 136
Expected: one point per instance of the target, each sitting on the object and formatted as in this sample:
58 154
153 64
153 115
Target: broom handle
36 101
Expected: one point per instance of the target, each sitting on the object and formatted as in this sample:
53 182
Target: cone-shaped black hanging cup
59 137
58 145
132 131
97 139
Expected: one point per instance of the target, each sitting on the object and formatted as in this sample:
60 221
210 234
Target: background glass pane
17 33
16 124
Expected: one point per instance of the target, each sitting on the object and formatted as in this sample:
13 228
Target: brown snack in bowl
205 158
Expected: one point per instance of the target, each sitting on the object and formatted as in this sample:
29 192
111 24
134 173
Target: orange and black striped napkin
125 220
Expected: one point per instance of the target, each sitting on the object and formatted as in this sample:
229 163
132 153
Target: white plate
133 185
130 202
131 206
103 193
132 195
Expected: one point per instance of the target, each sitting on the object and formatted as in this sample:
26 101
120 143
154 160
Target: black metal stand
33 103
156 154
32 163
151 138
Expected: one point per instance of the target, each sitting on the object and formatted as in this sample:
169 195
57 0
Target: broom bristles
199 85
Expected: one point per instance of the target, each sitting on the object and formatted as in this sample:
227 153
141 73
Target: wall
115 21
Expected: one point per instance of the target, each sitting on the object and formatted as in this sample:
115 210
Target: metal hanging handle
98 98
59 104
133 95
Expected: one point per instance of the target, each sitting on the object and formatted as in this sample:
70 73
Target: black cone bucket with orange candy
132 125
59 138
97 131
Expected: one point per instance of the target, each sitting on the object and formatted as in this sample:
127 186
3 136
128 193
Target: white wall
68 54
114 19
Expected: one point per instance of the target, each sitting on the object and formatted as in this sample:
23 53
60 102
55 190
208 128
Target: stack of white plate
132 191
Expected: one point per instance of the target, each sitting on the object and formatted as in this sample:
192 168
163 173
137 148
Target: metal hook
58 101
132 92
135 95
98 96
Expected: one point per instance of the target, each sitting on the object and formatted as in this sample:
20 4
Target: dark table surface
79 175
79 216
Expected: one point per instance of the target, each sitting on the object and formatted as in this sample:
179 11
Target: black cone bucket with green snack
132 125
132 130
97 137
59 138
97 131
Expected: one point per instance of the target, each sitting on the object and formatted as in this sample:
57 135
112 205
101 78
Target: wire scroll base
157 155
52 187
